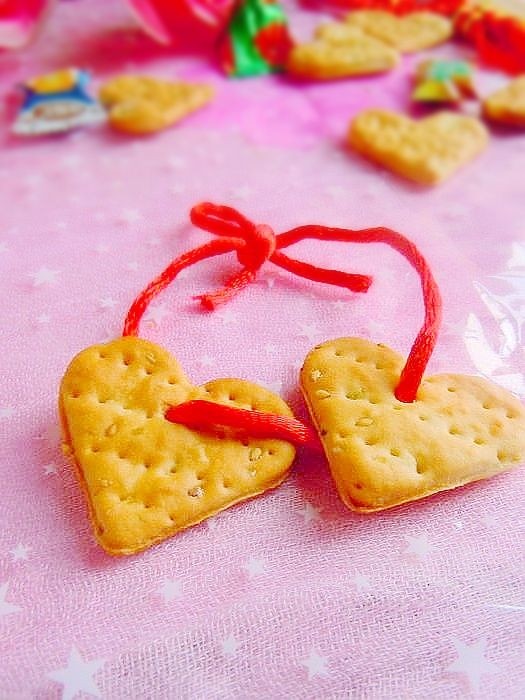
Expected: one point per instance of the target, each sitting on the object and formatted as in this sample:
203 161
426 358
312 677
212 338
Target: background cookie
507 106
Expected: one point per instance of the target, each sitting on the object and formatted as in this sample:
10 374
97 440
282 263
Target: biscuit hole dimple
371 442
510 415
149 413
147 464
338 353
486 405
359 360
397 407
122 454
358 486
452 389
127 360
148 370
380 365
323 433
102 355
373 401
479 441
453 430
173 469
172 381
226 483
245 443
271 452
75 394
395 452
423 418
420 469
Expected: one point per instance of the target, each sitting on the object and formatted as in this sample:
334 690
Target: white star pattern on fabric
243 192
340 305
310 513
207 361
77 676
154 241
271 349
514 608
5 607
107 303
3 247
336 191
177 188
43 318
102 248
226 316
61 225
362 582
310 331
489 520
276 386
44 276
156 314
420 546
6 412
129 216
211 523
230 645
21 551
176 163
254 567
315 665
517 258
71 161
472 662
170 589
133 266
50 468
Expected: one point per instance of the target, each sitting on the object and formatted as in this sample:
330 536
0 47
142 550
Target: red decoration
274 43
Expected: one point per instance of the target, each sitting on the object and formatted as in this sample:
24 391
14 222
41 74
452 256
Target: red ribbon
255 244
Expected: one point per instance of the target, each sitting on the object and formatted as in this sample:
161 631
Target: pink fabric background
290 595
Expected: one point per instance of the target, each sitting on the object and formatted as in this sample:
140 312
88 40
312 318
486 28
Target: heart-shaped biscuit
427 151
413 32
144 477
507 106
340 54
383 452
142 105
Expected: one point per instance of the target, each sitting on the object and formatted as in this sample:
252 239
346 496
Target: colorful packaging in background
439 80
257 40
20 20
397 7
497 35
57 102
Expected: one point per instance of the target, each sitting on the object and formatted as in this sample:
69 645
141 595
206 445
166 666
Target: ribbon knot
258 247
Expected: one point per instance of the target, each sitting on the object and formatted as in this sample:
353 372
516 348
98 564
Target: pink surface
290 595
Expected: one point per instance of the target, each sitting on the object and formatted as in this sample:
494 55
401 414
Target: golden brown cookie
413 32
142 105
383 452
328 59
427 151
146 478
507 106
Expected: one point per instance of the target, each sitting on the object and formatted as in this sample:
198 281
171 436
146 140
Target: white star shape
514 608
21 551
226 316
472 662
315 665
107 303
230 645
336 191
102 248
177 188
129 216
61 225
133 266
156 314
420 546
271 349
212 523
362 582
310 331
50 468
154 241
33 180
340 305
3 247
207 361
43 318
99 216
170 589
5 607
243 192
310 513
44 276
71 161
489 520
77 676
254 567
270 282
175 163
6 412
